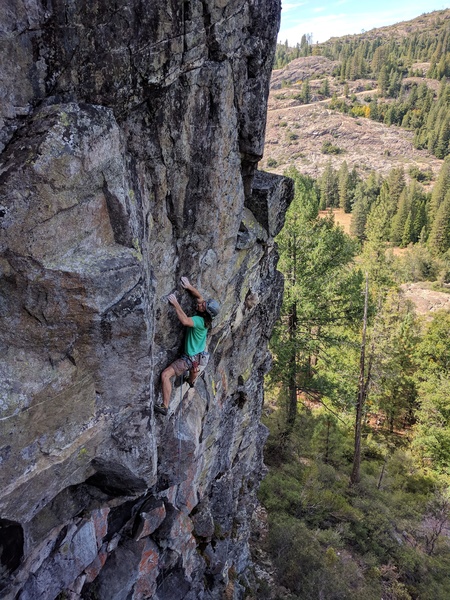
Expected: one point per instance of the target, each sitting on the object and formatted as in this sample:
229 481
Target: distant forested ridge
408 64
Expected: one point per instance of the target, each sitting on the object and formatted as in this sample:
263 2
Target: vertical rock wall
130 134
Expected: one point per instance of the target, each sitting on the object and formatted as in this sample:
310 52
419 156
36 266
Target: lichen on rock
130 137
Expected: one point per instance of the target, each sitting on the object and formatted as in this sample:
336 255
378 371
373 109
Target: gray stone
76 551
152 514
270 200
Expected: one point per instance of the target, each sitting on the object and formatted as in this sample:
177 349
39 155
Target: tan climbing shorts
179 366
191 363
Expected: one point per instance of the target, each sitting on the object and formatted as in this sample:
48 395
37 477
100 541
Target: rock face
130 135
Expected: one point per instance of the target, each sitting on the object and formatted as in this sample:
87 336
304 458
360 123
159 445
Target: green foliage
383 538
291 136
329 187
395 335
285 54
321 291
432 431
417 264
325 88
388 61
439 239
329 148
366 194
310 570
306 92
421 176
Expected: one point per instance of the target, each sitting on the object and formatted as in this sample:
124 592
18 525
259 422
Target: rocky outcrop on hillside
296 134
426 300
305 67
130 135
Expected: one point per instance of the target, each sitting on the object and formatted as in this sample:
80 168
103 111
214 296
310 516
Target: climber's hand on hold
186 283
190 288
173 299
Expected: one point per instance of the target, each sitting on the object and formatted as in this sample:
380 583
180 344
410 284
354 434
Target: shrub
417 265
271 162
329 148
311 571
419 175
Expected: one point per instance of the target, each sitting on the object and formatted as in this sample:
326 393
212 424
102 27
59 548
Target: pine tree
360 213
440 189
374 114
383 81
353 180
343 185
320 289
306 92
441 149
420 224
439 240
432 431
396 183
325 88
374 258
408 231
399 220
396 336
329 191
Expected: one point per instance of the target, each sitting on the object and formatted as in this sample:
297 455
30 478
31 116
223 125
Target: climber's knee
168 373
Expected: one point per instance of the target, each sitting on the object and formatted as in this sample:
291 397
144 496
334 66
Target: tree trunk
362 391
292 381
327 447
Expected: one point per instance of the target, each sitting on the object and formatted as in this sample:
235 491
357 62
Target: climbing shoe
161 409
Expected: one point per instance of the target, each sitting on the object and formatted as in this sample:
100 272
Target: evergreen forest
358 409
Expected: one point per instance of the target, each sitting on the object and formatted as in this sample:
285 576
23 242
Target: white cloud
323 27
285 7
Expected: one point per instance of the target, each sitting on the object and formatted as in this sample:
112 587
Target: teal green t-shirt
195 341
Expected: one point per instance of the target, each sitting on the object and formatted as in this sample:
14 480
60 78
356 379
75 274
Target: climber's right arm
182 316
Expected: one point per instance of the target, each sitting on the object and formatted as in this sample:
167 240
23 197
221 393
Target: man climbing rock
194 343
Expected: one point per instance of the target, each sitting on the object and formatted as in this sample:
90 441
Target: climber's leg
193 373
166 377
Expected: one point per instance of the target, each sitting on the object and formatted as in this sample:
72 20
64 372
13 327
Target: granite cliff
130 136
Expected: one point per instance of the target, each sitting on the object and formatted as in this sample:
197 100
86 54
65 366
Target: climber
194 344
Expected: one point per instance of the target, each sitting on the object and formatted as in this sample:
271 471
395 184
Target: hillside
296 132
426 22
388 91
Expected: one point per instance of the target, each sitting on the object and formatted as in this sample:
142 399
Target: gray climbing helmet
212 308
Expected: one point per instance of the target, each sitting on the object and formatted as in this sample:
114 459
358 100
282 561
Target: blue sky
331 18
